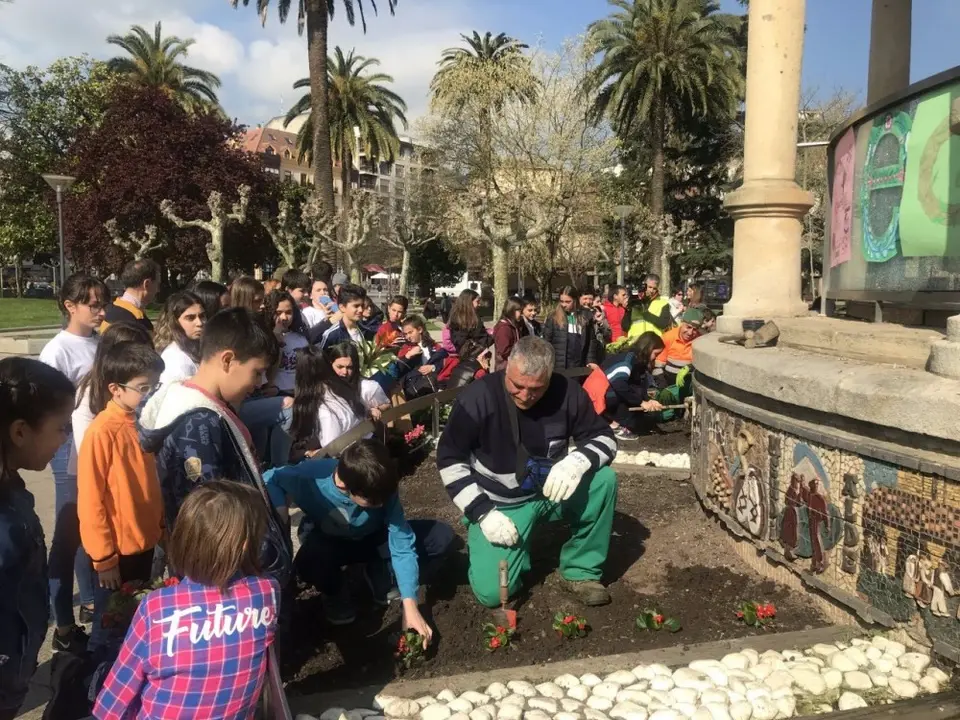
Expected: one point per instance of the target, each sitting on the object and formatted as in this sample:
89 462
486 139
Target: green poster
930 207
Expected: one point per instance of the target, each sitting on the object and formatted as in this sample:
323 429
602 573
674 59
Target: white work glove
565 476
499 529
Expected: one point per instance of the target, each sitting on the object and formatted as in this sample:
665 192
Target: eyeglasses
141 389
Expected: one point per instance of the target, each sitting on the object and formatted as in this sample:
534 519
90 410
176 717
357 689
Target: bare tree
136 246
286 233
220 218
357 229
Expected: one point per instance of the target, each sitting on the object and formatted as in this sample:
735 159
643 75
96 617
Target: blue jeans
269 424
67 556
133 568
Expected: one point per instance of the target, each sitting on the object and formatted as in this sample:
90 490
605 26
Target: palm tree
663 61
356 100
155 62
315 15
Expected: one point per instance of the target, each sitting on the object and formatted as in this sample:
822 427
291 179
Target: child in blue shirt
355 516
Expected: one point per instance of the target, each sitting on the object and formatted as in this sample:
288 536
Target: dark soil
669 437
664 553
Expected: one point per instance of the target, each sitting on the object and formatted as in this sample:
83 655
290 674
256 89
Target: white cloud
258 66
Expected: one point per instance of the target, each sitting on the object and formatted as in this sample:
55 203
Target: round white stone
752 656
662 682
609 690
566 716
894 649
858 656
381 701
856 680
590 680
929 685
900 673
884 664
659 669
937 674
699 665
840 661
879 641
643 672
717 676
914 661
719 711
548 705
497 691
519 700
635 696
332 713
425 700
786 706
816 660
689 678
833 678
475 698
599 703
735 661
740 710
446 695
459 705
764 709
459 716
522 687
400 708
487 712
566 681
716 697
639 685
536 715
510 711
760 692
702 714
550 690
792 655
809 681
903 688
872 652
594 714
685 695
878 678
823 649
628 711
579 692
762 671
435 712
621 677
570 705
665 715
779 679
851 701
685 709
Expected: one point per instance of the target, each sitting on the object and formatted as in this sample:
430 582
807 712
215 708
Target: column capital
768 198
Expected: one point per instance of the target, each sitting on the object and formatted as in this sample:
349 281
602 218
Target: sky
258 65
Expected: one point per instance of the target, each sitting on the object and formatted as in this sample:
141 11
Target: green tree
155 61
663 61
314 16
434 264
42 111
357 100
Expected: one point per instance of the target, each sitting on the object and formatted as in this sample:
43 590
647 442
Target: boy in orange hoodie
119 500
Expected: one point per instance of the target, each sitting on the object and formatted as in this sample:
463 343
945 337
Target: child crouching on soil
356 517
199 648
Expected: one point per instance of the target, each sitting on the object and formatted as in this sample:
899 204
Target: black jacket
479 334
573 350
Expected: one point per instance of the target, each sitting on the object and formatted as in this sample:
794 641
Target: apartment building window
400 188
303 178
384 185
399 171
287 175
386 168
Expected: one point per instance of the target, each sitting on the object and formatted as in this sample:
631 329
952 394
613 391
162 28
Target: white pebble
536 715
594 714
762 671
716 697
484 713
914 661
779 679
688 678
851 701
660 696
643 672
878 678
566 681
639 685
459 716
884 664
665 715
752 655
662 682
579 692
839 661
809 681
435 712
590 680
702 714
937 674
522 687
599 703
894 649
510 711
824 649
445 696
332 713
426 700
929 685
635 696
628 711
519 700
833 678
856 680
741 711
872 652
497 691
381 701
460 705
754 693
735 661
550 690
686 695
685 709
570 705
621 677
900 673
399 708
903 688
858 656
718 711
792 655
699 665
786 706
609 690
475 698
764 709
548 705
566 716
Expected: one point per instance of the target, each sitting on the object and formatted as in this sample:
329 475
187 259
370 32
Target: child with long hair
247 292
570 329
331 397
213 296
82 302
464 324
177 336
200 645
37 400
629 374
420 351
508 330
282 313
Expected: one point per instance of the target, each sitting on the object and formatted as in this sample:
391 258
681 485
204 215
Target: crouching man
506 461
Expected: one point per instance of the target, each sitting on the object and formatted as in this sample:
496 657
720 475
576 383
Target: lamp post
622 212
60 183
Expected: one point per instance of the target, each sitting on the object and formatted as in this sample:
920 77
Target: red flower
171 581
740 614
494 642
501 630
658 619
128 588
581 625
569 619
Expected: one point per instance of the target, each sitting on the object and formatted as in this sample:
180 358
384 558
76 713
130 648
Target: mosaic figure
910 575
790 521
819 519
942 587
876 556
924 592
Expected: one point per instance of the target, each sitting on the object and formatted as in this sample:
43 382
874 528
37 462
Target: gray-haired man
505 463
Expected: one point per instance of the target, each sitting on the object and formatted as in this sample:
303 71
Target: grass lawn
28 312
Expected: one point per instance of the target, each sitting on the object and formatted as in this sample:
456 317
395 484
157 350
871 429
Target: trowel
505 617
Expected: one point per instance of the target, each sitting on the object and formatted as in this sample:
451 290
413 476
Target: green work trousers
589 511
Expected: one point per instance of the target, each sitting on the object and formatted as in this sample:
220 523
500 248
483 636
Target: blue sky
258 65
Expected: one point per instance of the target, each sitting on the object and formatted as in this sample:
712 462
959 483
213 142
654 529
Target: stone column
889 71
769 206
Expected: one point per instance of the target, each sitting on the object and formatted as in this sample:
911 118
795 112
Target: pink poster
841 207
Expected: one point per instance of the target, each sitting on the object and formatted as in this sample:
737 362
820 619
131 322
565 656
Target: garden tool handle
504 583
665 407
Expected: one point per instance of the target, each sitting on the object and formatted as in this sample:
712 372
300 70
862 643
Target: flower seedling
570 626
756 614
410 650
414 434
655 620
496 637
123 603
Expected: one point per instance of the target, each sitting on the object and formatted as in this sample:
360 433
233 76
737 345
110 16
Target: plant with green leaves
754 614
373 358
569 626
656 620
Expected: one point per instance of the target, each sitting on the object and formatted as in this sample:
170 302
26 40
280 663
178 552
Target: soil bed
666 438
664 553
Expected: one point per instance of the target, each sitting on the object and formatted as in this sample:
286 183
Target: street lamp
60 183
622 212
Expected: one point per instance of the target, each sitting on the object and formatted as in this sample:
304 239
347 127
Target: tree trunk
18 275
404 271
501 275
656 187
353 267
317 22
346 168
215 255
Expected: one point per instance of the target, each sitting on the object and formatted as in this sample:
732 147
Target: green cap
694 317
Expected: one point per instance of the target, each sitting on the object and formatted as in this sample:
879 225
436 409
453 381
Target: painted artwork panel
841 201
881 186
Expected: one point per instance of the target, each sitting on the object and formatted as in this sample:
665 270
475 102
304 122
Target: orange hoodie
118 500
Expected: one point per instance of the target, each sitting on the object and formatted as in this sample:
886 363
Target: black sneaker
338 609
74 641
86 615
379 579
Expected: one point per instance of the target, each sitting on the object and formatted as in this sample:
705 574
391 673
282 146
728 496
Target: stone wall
872 526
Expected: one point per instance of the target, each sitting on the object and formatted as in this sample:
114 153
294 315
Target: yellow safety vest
640 326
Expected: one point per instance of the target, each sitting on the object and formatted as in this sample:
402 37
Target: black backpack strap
522 454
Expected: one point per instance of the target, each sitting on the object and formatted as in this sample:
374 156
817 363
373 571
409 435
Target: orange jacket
676 353
118 493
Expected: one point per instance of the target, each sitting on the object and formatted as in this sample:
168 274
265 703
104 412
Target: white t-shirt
336 417
177 365
313 316
80 419
70 354
285 379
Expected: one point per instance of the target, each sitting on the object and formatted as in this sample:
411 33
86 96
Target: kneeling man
506 461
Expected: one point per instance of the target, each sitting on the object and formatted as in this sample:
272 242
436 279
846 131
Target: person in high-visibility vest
650 312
